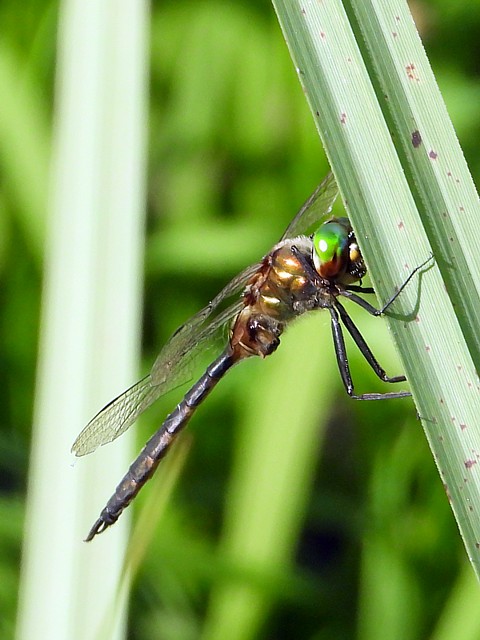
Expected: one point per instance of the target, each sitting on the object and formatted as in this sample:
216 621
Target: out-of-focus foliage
232 154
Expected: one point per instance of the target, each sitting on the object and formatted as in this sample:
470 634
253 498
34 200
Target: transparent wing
173 365
171 368
116 417
315 210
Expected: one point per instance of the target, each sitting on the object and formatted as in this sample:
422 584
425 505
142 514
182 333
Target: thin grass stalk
90 318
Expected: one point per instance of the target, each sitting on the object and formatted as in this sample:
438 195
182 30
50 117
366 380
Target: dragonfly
316 262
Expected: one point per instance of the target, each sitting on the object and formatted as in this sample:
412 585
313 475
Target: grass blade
393 238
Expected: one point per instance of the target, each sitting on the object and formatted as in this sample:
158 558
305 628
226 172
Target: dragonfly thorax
284 287
336 254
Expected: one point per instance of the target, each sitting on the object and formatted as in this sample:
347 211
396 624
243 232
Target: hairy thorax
278 292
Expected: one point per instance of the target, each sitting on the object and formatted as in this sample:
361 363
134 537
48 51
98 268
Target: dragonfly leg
341 352
349 293
360 289
392 299
342 359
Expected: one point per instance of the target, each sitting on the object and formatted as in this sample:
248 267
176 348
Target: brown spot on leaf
433 155
412 73
447 491
416 139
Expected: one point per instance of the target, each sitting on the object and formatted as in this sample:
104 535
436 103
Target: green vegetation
297 513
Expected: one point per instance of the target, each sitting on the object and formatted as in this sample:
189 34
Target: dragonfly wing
173 365
315 210
116 417
171 369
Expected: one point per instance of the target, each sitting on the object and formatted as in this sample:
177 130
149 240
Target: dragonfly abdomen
144 466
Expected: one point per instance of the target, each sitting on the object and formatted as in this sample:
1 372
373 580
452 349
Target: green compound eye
329 243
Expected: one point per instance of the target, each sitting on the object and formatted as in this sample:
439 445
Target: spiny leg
341 352
342 359
363 346
349 293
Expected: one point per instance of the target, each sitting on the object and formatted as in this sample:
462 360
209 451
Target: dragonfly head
336 254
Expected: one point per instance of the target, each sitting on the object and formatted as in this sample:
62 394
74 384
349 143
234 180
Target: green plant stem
390 231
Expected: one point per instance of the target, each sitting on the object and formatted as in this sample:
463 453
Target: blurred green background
373 549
